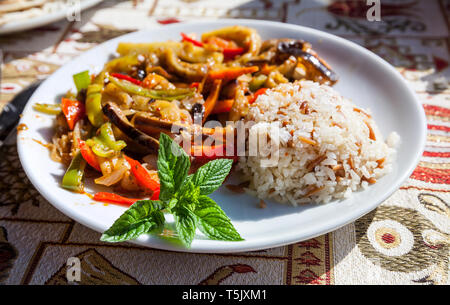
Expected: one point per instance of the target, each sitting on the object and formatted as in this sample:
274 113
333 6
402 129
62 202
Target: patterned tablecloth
404 241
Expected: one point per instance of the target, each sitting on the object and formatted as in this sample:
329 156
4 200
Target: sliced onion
115 176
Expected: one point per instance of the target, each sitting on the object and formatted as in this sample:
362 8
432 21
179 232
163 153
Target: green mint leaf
173 165
187 187
188 193
211 175
172 203
144 216
185 223
213 222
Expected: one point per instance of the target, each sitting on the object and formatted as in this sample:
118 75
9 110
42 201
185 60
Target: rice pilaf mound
328 147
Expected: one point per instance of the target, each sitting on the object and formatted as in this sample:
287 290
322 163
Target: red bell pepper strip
194 85
127 77
88 155
223 106
155 195
73 111
257 93
143 178
191 40
113 198
230 53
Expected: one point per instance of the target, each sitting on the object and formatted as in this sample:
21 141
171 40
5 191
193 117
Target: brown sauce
22 127
41 143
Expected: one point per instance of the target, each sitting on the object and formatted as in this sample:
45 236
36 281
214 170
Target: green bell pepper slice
257 82
169 95
105 144
73 178
107 136
48 108
94 104
99 148
82 80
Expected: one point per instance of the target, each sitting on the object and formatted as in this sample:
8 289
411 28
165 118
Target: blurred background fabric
404 241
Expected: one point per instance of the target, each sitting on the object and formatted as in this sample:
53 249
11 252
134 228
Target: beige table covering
404 241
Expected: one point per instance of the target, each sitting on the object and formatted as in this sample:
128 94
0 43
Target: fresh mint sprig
184 196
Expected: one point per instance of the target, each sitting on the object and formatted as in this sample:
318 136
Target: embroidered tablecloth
404 241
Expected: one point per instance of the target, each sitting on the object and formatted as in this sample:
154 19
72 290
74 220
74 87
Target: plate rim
42 20
233 247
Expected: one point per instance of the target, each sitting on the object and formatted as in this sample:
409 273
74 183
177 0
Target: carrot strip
211 101
223 106
231 73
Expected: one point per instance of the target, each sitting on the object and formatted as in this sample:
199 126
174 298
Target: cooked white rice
328 147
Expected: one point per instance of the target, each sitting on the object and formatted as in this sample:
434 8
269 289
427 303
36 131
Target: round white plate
364 77
41 20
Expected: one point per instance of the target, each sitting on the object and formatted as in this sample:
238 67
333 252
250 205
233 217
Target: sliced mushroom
118 118
309 58
152 125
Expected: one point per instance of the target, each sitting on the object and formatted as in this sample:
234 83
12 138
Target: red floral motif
311 243
309 259
388 238
168 21
307 277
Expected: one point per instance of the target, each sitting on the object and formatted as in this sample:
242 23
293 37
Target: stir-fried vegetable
119 170
113 198
255 96
191 40
73 111
127 78
105 144
223 106
211 101
82 80
94 105
142 176
231 73
73 178
88 155
170 94
48 108
257 82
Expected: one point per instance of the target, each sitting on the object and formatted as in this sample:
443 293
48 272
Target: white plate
41 20
364 77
